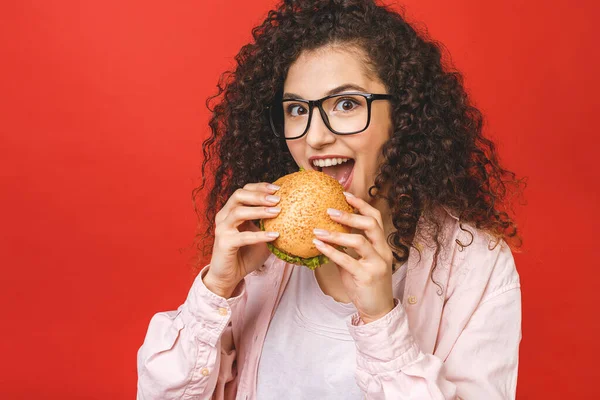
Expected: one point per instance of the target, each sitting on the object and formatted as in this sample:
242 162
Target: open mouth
340 169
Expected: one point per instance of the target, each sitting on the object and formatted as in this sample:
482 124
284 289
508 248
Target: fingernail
320 232
273 234
273 187
273 210
348 194
318 243
272 199
333 212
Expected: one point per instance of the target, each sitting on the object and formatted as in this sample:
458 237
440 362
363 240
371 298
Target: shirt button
412 300
205 372
222 311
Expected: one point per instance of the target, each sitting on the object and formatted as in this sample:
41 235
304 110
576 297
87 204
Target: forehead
316 72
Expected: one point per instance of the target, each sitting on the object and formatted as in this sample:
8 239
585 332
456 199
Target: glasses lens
294 118
276 118
347 113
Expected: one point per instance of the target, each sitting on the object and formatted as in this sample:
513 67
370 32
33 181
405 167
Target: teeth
328 162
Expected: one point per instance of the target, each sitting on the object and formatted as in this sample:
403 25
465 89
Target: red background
101 119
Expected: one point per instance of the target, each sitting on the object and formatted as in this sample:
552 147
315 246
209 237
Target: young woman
425 302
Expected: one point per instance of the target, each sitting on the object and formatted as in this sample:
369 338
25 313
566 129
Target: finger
355 241
252 198
364 208
368 224
246 198
262 187
241 214
248 238
340 258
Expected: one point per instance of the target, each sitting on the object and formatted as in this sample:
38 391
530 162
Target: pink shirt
461 341
308 352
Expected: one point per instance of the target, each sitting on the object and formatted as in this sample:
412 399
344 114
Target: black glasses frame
369 97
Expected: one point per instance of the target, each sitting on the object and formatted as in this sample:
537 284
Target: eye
296 110
346 105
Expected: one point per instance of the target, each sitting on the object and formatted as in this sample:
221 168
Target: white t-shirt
308 352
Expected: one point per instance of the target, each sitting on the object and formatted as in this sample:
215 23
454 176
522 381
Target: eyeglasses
343 114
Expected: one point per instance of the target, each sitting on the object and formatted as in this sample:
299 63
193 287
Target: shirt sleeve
189 353
482 364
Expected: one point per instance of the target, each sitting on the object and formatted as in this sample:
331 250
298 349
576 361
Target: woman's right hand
240 247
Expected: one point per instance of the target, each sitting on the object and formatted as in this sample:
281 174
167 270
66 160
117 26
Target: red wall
101 119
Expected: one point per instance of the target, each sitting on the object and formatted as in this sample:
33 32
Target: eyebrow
336 90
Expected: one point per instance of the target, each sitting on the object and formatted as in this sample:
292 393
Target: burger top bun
305 197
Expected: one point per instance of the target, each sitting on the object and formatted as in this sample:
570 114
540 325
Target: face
325 71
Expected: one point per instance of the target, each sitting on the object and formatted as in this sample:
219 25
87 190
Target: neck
382 206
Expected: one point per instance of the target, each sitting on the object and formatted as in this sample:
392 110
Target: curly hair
436 156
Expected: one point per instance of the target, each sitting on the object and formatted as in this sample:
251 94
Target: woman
424 303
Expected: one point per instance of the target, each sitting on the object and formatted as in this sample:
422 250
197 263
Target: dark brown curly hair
436 155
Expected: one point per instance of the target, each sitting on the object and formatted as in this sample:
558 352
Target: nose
318 134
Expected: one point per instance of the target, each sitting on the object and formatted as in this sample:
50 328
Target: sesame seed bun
305 198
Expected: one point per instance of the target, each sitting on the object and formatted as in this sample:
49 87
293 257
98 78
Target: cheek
378 136
296 148
370 146
371 143
381 121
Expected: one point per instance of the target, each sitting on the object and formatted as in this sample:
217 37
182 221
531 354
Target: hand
368 279
240 247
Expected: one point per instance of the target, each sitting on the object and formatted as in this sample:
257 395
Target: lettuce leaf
312 262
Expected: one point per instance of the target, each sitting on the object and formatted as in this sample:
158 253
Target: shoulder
479 260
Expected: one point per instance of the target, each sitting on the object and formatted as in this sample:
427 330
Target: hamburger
305 197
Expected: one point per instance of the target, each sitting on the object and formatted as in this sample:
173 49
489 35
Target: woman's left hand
368 279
